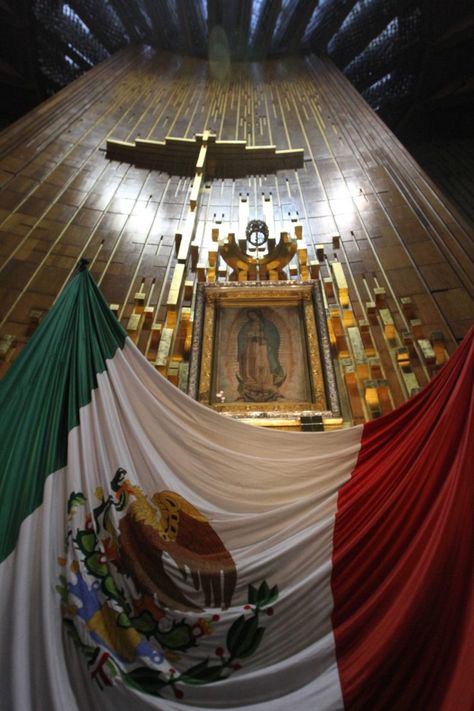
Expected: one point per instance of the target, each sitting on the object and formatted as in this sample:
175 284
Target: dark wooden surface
61 198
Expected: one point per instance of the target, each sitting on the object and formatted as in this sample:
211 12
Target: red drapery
403 546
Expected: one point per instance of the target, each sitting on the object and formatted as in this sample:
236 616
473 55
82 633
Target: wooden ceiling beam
97 20
367 23
193 27
65 48
19 48
214 14
245 16
163 25
328 18
262 39
131 18
295 24
234 17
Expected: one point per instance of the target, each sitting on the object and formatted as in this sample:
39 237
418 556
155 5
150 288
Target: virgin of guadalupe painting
259 355
260 373
261 350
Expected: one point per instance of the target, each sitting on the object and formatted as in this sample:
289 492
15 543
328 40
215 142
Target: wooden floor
62 199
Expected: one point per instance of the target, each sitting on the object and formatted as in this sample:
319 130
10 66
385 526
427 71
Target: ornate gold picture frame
261 350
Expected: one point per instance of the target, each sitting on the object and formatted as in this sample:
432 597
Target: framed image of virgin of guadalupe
261 349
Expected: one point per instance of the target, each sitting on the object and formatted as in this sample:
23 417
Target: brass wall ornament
257 233
261 351
266 258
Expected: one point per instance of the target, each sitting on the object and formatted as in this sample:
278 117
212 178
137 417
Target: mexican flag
157 555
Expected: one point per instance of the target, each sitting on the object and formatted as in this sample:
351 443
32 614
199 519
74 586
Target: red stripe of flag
402 559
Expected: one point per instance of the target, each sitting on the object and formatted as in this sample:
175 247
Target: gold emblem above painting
261 349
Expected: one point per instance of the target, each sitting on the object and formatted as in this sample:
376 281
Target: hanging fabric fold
155 554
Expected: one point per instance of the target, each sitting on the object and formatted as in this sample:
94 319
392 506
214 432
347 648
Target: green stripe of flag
41 395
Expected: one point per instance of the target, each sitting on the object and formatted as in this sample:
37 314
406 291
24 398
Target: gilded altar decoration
258 262
124 612
258 257
262 348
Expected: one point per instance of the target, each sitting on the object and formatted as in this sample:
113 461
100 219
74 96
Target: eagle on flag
168 524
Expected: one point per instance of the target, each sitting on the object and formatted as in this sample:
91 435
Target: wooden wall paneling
393 255
422 199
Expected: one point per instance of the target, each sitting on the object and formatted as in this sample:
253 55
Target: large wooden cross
203 156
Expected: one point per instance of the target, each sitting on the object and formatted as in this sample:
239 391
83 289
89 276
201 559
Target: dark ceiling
411 60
